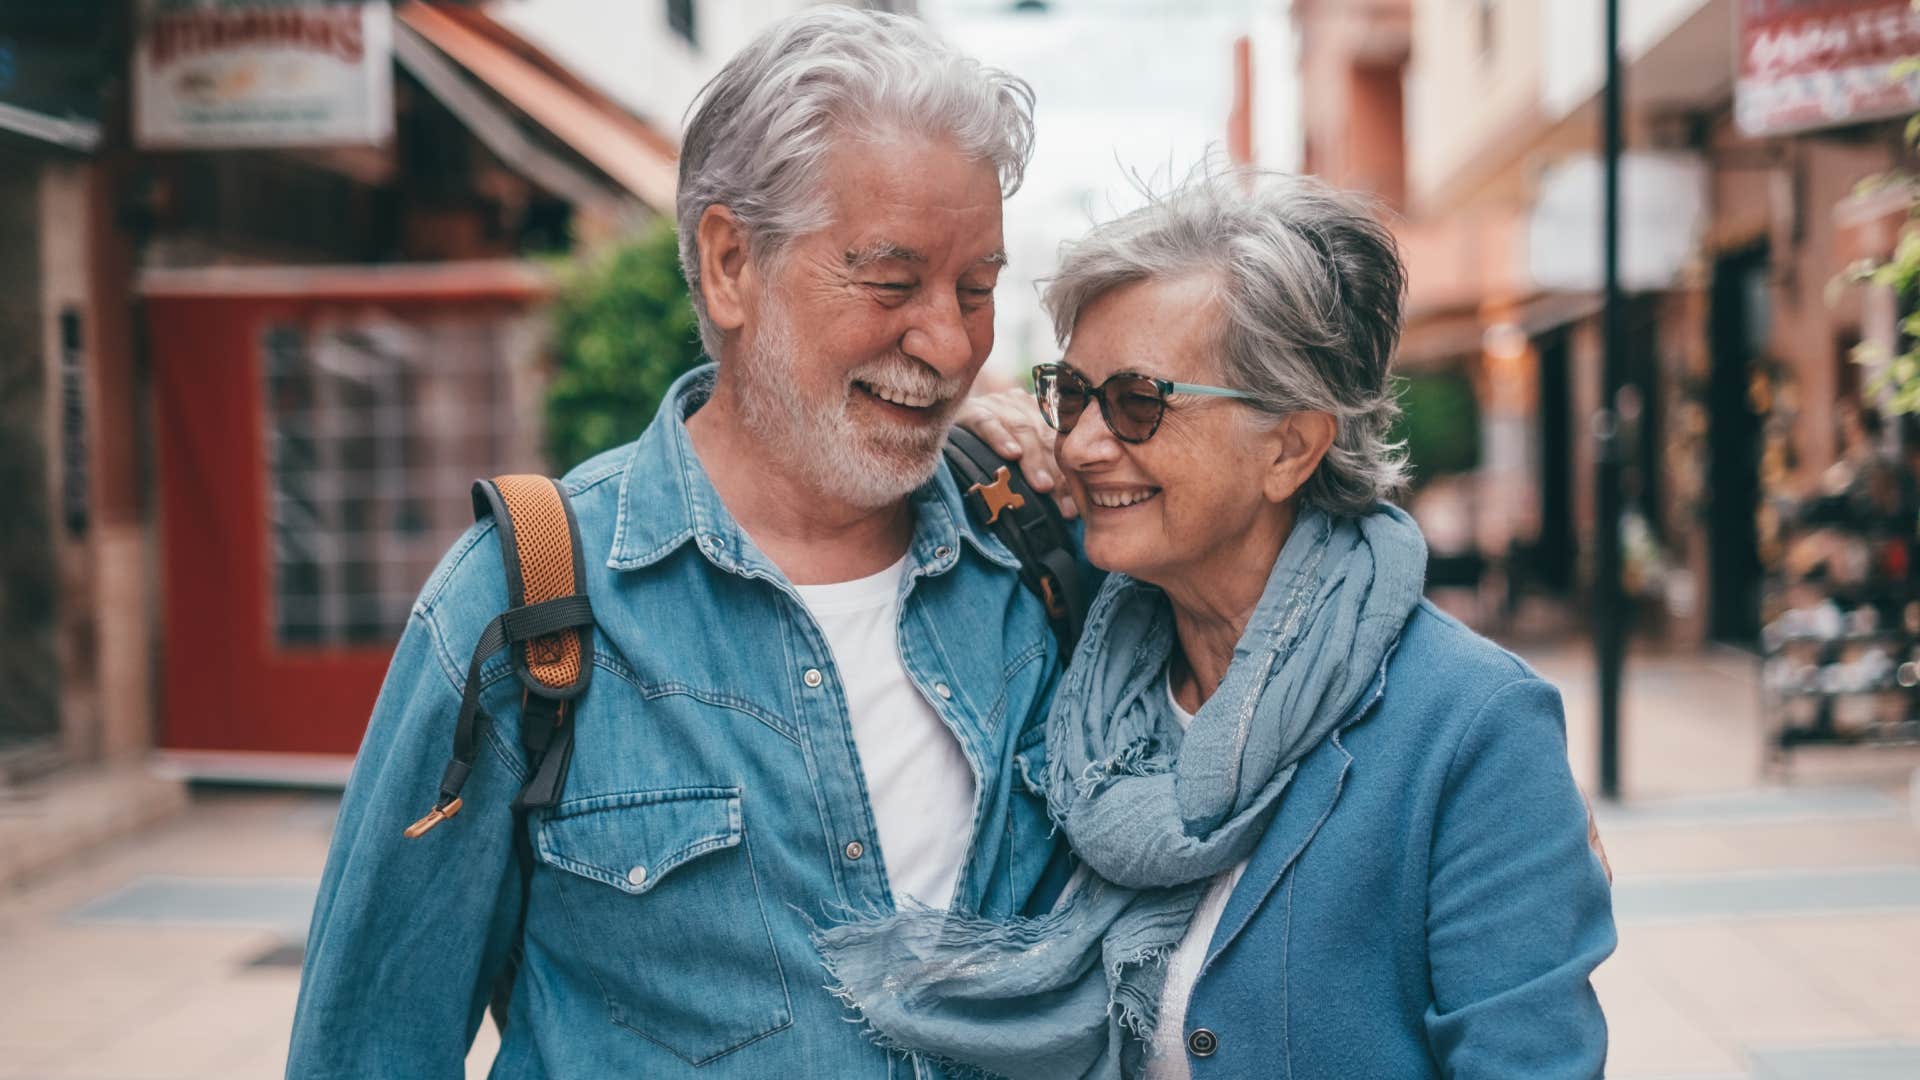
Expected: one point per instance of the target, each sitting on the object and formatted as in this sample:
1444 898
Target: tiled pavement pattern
1770 922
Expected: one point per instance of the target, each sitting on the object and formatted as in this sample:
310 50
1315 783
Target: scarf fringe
1141 757
1136 1010
953 1068
876 922
1130 1005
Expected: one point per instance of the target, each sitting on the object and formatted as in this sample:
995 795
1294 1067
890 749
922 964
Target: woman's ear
1301 441
726 272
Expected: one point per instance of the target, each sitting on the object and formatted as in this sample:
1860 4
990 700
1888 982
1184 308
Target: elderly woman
1326 831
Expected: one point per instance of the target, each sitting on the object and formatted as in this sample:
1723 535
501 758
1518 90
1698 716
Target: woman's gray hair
1311 286
760 131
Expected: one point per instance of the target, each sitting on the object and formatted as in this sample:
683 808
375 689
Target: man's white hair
760 131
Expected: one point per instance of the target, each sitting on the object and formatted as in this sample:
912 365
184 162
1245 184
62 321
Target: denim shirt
715 810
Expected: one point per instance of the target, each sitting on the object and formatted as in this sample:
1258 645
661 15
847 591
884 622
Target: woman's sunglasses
1132 404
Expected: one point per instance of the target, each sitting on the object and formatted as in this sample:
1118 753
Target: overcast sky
1124 88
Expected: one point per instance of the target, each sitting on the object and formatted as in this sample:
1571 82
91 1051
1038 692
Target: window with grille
375 427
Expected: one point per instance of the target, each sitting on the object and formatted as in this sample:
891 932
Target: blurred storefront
327 382
1768 505
286 258
1750 125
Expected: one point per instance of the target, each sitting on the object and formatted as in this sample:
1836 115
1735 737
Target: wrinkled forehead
859 255
912 199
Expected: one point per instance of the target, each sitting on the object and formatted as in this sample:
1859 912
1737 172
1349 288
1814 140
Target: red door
317 430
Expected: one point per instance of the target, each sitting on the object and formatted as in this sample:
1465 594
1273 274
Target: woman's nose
1089 443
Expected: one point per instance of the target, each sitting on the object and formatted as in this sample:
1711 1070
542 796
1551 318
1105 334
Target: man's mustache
906 377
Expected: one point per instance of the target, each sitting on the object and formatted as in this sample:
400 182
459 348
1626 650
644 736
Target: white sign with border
261 74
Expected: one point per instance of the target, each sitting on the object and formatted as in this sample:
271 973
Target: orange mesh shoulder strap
540 549
546 630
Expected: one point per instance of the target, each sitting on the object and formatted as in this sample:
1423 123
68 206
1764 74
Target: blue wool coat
1425 904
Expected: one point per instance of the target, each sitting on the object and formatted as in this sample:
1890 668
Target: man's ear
1300 442
726 273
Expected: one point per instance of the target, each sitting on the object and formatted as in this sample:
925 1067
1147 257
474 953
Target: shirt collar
666 500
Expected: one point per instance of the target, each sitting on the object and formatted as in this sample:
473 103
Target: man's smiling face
870 330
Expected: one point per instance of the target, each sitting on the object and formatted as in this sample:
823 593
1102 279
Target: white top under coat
1168 1060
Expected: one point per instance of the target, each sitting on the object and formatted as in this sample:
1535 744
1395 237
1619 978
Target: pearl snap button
812 677
943 690
637 876
855 849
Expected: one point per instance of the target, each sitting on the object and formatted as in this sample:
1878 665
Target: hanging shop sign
258 73
1807 64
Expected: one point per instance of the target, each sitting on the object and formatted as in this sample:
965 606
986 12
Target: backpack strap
543 627
998 497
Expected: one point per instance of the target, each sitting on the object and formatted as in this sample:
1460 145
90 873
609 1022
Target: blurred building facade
1478 121
254 374
73 649
249 366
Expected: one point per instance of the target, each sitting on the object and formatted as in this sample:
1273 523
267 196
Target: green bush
1440 421
623 330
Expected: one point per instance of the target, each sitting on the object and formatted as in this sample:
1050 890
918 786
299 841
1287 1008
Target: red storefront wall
235 702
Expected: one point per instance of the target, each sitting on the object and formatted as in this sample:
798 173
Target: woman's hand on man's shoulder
1010 422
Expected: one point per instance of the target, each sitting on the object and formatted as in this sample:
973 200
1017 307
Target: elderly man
819 690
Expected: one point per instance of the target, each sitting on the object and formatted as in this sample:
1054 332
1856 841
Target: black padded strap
1034 532
1069 597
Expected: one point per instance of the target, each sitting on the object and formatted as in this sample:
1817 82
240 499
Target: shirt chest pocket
661 896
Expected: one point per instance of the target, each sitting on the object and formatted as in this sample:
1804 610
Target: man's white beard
869 464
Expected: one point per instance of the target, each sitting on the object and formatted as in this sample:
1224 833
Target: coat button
855 849
1202 1043
637 876
812 677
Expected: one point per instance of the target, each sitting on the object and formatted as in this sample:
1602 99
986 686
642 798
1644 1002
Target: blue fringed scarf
1154 813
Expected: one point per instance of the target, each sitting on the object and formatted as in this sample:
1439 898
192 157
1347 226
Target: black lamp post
1610 614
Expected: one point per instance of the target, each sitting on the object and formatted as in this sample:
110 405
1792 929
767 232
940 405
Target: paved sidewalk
172 954
1769 923
1769 915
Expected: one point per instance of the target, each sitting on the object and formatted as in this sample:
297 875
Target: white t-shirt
918 779
1169 1058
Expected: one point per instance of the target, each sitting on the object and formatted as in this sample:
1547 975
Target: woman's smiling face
1168 510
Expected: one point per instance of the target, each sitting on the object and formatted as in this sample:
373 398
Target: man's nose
938 338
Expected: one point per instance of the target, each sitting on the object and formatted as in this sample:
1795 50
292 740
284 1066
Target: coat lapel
1303 809
1309 799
